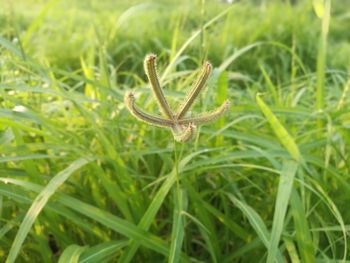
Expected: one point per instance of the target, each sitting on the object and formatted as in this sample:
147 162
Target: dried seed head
185 134
197 87
129 101
151 72
183 129
208 116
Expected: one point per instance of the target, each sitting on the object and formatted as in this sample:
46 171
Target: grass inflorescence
183 128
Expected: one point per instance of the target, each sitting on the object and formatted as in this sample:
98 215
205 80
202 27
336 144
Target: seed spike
209 116
151 72
195 90
129 101
183 129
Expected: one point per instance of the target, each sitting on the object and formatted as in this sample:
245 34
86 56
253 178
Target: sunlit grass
82 181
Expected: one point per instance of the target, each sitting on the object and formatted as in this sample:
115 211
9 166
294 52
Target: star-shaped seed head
183 128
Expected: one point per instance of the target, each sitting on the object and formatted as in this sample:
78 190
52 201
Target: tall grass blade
227 62
178 231
10 47
188 42
282 134
38 21
302 230
292 250
153 208
256 222
323 10
288 172
271 87
71 254
39 203
103 252
105 218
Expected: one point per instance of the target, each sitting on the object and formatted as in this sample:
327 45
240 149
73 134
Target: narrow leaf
39 203
71 254
284 190
103 252
302 231
153 208
178 230
256 222
284 137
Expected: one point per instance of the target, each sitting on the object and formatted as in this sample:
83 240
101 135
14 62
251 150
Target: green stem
321 59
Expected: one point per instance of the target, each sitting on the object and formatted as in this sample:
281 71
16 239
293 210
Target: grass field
81 180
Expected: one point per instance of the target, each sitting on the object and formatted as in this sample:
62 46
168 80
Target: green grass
81 180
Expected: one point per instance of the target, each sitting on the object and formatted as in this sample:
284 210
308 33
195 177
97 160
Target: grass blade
10 47
110 221
302 230
284 190
271 87
153 208
103 252
38 21
322 52
256 222
71 254
282 134
237 54
292 251
188 42
178 230
39 203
